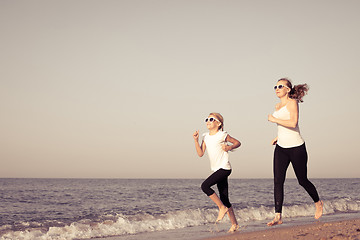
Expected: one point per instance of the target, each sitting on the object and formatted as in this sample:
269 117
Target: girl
215 141
290 147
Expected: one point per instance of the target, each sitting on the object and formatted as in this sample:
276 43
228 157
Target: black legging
298 158
220 177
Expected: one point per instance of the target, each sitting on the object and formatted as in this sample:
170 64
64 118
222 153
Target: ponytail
298 91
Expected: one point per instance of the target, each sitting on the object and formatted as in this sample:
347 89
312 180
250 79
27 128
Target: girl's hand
226 147
271 118
200 149
233 141
196 135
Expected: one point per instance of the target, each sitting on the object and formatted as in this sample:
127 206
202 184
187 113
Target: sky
115 89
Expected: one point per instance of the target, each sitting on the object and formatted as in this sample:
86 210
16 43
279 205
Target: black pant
298 158
220 177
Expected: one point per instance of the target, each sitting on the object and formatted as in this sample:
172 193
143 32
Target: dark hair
298 91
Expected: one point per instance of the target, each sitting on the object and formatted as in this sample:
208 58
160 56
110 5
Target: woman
290 146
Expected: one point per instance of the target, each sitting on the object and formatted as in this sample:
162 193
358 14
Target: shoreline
335 230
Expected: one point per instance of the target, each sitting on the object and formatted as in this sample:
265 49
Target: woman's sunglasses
211 119
280 86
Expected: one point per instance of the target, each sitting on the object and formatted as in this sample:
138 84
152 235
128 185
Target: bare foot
222 212
277 221
234 228
319 209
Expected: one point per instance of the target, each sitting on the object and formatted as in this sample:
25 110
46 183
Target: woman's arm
199 149
292 106
235 144
274 141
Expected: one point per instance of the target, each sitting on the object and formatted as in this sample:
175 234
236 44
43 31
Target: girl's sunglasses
211 119
280 86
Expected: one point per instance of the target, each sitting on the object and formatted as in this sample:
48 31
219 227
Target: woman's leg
281 163
299 160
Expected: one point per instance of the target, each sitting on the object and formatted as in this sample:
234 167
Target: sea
129 209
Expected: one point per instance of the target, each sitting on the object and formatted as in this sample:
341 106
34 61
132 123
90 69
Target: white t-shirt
218 157
287 137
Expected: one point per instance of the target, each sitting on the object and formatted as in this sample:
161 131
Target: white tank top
287 137
218 157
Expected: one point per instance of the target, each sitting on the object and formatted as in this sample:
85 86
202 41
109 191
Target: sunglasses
280 86
211 119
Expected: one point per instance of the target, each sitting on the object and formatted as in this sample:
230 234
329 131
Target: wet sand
345 229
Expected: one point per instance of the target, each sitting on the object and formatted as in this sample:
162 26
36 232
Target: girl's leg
299 160
223 187
234 223
222 208
281 163
213 179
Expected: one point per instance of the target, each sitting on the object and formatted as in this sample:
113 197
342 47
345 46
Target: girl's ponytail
220 118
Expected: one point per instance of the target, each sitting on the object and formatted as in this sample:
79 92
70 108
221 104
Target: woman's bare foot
319 209
277 220
222 212
234 228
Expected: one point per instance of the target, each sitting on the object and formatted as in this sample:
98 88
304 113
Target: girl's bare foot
222 212
234 228
277 220
319 209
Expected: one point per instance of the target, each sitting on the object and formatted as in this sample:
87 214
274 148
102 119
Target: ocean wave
119 225
345 205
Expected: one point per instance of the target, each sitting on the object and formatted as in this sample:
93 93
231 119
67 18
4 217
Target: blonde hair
219 117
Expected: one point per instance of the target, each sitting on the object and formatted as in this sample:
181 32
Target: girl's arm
235 144
199 149
292 106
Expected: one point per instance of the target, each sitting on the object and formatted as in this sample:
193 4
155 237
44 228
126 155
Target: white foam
124 225
345 205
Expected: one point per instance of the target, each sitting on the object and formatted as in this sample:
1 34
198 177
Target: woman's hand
271 118
293 109
274 141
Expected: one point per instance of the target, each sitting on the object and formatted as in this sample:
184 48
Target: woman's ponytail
298 91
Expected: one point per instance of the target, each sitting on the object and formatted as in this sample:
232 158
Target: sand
346 229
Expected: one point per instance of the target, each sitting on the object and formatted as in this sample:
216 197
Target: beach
163 209
335 230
